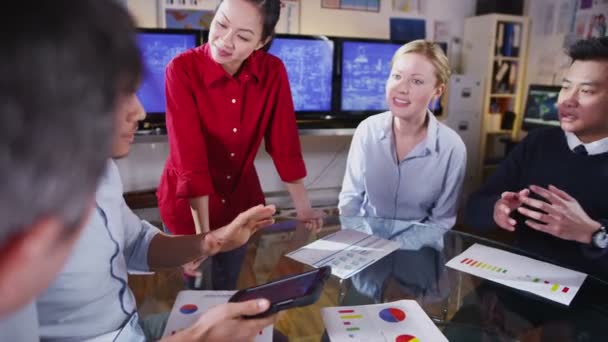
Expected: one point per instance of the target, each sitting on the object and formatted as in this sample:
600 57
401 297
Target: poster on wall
441 31
289 21
188 19
407 6
358 5
591 19
200 15
406 30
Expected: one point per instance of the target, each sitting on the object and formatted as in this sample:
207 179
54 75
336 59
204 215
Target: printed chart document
190 305
541 278
400 321
346 251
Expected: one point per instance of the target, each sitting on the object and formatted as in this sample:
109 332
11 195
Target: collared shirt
595 147
90 297
20 326
422 187
215 124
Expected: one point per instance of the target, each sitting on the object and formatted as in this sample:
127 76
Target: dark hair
64 63
270 10
589 49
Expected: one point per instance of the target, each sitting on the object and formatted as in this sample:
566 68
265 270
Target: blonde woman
404 164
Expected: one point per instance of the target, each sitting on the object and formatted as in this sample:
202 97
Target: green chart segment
483 265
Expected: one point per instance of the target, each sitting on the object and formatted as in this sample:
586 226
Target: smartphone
296 290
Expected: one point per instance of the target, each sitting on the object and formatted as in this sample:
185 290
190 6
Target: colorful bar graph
554 286
482 265
351 316
347 315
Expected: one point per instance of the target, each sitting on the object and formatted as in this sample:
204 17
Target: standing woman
222 98
404 164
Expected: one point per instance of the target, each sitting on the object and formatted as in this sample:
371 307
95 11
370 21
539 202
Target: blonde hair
432 52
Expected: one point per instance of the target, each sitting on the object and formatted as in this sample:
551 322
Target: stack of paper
346 251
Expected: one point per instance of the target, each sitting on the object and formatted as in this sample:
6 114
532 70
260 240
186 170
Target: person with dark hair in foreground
70 70
63 64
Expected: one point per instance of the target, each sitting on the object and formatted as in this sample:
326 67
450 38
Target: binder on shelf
507 44
508 39
499 39
501 77
516 39
512 77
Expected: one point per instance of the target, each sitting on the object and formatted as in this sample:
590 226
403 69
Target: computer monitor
309 61
158 47
365 67
541 107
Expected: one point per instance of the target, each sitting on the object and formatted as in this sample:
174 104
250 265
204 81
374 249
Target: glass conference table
464 307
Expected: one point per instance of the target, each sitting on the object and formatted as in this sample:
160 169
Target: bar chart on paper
401 321
541 278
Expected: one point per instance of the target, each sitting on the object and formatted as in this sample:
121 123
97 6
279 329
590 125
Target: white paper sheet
346 251
400 321
190 305
541 278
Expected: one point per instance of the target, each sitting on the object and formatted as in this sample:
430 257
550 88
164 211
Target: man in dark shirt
551 189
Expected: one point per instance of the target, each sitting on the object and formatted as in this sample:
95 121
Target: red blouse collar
214 71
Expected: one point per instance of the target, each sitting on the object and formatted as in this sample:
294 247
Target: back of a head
63 64
591 49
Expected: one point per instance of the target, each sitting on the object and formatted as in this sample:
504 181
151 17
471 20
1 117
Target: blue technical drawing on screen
157 50
365 69
309 64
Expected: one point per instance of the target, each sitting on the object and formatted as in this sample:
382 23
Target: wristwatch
599 239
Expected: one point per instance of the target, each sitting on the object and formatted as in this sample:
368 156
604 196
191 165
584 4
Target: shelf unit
495 51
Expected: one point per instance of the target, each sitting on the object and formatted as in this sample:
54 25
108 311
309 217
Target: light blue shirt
423 187
20 326
90 297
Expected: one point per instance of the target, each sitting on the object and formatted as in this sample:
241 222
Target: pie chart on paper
188 309
407 338
392 315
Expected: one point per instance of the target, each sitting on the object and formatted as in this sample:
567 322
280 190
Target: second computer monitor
158 47
365 67
541 107
309 61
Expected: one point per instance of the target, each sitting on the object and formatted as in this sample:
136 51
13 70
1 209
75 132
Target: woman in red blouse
222 99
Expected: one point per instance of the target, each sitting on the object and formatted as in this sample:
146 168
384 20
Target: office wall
550 23
325 155
317 20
